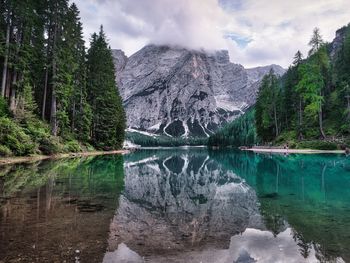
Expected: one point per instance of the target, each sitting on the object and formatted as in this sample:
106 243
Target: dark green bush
4 151
50 145
72 146
14 138
318 145
4 111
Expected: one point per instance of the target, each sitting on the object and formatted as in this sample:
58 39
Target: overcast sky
256 32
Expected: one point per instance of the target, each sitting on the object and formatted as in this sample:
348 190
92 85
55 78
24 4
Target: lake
177 205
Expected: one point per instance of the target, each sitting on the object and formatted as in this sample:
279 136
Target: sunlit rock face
180 203
180 92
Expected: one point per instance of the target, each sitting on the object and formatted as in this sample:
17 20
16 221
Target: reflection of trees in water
310 192
40 208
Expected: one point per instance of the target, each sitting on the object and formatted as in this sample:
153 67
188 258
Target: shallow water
177 205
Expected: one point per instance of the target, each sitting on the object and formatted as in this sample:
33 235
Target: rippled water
177 205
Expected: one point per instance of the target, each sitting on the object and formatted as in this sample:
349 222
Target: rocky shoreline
36 158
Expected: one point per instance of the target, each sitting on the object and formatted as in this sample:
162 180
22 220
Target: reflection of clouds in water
252 246
122 255
265 248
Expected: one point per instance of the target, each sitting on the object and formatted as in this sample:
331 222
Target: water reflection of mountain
189 206
179 201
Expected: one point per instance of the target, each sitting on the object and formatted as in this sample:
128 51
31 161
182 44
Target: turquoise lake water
177 205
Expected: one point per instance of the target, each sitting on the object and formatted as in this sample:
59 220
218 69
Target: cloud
256 32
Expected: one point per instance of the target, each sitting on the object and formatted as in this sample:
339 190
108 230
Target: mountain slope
180 92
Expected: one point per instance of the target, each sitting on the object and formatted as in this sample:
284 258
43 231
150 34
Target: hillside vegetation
55 96
308 107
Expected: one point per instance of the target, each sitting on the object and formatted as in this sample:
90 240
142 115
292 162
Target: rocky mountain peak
179 92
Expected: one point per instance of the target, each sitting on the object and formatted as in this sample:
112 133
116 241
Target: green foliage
318 145
311 101
108 116
50 145
72 146
4 151
14 138
241 131
309 87
266 112
46 74
164 141
4 111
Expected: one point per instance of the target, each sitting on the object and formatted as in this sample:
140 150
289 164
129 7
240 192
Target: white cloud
266 31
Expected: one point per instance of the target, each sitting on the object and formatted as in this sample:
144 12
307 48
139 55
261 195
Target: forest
307 107
240 132
56 96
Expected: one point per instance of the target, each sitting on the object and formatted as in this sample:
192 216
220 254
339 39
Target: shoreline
301 151
36 158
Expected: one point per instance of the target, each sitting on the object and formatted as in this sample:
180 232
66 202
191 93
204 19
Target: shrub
4 151
49 145
318 145
37 130
72 146
14 138
4 111
312 133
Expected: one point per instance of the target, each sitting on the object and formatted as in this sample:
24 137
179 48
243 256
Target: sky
255 32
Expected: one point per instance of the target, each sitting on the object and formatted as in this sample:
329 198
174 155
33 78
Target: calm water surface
177 205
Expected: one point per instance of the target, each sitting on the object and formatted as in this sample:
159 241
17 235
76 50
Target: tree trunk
4 71
275 117
73 116
43 109
300 119
13 92
348 107
320 120
53 117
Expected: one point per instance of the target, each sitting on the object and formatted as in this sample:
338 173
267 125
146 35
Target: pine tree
266 108
298 58
108 122
316 41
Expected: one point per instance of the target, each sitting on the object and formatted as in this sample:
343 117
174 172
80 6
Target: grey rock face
338 41
180 92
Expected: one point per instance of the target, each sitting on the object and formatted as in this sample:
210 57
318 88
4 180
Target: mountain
179 92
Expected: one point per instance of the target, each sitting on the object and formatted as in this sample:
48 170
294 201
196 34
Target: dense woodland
55 96
242 131
163 141
308 107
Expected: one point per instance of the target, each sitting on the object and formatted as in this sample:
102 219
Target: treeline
163 141
240 132
46 73
308 107
312 100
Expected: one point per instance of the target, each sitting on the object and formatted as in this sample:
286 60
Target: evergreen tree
43 72
316 41
298 58
108 121
266 111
